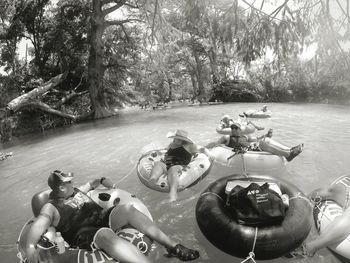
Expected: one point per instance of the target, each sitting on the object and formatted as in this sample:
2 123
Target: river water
111 148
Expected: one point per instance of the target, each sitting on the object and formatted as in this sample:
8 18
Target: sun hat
57 177
181 135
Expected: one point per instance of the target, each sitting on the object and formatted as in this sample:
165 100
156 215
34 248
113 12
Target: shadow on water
111 147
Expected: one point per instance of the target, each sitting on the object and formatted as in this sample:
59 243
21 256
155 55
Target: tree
96 66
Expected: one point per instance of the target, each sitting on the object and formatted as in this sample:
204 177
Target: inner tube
258 114
325 212
217 225
246 129
77 255
191 174
249 162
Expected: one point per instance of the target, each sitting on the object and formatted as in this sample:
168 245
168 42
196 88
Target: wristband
102 179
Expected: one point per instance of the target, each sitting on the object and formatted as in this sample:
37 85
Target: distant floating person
262 113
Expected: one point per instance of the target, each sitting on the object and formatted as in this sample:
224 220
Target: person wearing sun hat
85 224
179 153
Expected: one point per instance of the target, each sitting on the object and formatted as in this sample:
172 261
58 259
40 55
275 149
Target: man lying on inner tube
247 127
264 143
340 227
66 201
263 109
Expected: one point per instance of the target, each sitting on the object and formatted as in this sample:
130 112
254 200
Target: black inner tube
218 226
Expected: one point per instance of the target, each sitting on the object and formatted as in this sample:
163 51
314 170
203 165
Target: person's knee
173 174
127 209
267 140
158 169
159 165
175 170
263 145
104 237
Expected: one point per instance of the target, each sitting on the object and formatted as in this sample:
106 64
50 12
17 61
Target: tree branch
120 22
17 103
46 108
132 6
277 10
154 19
345 13
70 96
253 7
118 5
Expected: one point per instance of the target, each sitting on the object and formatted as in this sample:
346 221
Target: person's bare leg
118 248
335 233
173 179
128 214
271 146
158 169
336 193
259 128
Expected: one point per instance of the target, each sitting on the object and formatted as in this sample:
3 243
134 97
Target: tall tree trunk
214 65
96 68
199 73
194 85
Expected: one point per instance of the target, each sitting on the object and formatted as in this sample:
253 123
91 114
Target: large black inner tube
218 226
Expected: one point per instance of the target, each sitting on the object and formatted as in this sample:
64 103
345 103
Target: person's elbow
219 130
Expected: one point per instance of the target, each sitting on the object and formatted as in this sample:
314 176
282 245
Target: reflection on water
111 148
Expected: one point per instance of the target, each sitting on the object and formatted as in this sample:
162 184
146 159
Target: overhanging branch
15 104
118 5
46 108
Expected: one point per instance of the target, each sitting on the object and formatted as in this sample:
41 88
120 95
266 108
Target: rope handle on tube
251 254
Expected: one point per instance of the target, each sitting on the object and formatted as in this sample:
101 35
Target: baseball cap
57 177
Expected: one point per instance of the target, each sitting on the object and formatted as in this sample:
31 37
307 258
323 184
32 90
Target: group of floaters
114 226
4 155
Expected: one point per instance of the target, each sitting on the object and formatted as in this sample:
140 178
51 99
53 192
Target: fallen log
25 99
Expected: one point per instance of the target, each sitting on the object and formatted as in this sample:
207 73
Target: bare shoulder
224 139
50 212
